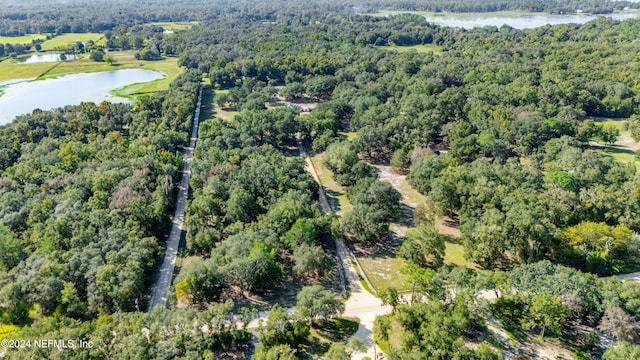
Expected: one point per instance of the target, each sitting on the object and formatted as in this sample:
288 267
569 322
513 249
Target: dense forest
29 17
500 129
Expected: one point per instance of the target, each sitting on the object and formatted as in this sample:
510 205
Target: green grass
618 123
395 335
349 136
338 329
226 113
384 271
620 151
183 25
335 193
11 69
621 154
25 39
65 40
454 255
425 48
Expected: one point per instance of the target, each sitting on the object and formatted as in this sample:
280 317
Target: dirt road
165 274
361 303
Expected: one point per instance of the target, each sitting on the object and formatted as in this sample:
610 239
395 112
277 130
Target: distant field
618 123
426 48
624 149
10 69
26 39
65 40
174 25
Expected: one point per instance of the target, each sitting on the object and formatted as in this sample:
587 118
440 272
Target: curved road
165 274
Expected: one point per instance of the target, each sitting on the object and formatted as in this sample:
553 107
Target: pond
46 58
517 20
23 97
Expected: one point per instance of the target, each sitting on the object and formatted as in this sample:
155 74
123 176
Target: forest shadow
611 149
406 218
617 149
207 110
332 199
384 249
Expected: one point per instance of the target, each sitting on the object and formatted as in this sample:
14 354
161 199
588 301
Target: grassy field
623 149
220 112
618 123
10 69
384 271
426 48
26 39
124 60
174 25
454 255
64 40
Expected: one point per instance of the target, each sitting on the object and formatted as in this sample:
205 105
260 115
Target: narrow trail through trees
361 304
165 273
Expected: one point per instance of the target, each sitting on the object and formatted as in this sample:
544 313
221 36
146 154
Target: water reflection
24 97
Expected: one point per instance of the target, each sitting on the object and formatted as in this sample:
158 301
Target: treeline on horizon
81 16
86 191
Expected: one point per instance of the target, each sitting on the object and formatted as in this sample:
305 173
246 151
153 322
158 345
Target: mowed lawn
65 40
25 39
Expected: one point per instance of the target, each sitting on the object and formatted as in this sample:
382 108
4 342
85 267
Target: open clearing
335 193
25 39
381 265
424 48
65 40
174 25
624 148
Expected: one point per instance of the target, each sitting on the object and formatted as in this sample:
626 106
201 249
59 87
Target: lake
46 58
513 19
23 97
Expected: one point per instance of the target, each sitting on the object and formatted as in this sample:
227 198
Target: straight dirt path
165 273
361 303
